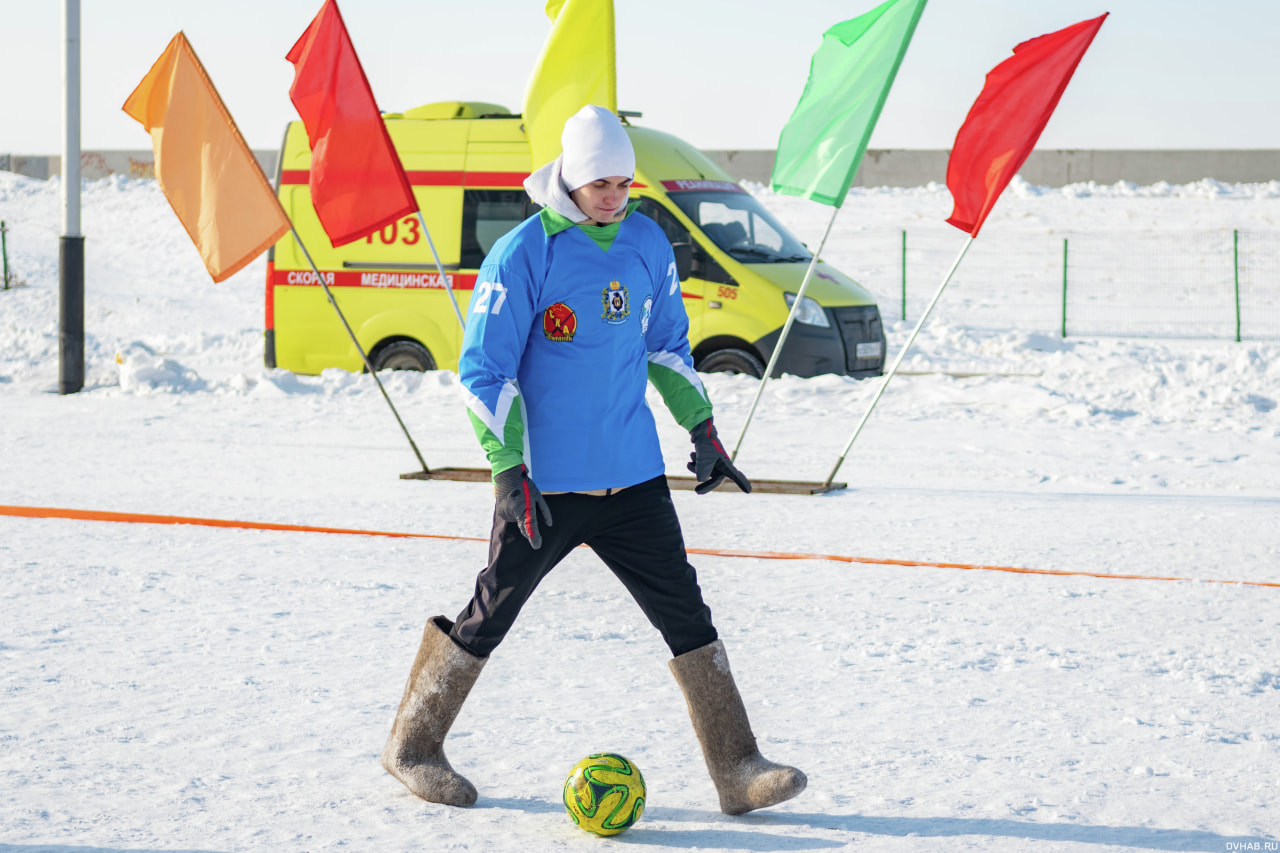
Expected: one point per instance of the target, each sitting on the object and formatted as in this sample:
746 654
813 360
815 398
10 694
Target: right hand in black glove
519 501
710 463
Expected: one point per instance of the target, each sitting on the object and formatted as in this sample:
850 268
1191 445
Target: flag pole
786 329
359 349
443 278
897 361
71 244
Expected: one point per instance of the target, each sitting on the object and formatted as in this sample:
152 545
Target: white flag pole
897 361
782 338
444 279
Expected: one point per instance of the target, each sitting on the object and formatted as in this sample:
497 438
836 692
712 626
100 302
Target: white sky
724 75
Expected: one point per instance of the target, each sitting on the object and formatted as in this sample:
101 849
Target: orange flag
204 167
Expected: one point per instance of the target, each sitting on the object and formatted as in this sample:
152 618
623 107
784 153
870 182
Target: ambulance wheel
403 355
732 361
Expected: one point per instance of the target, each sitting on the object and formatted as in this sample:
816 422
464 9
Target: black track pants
637 535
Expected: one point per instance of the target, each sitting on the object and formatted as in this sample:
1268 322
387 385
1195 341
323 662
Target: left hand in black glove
519 501
709 462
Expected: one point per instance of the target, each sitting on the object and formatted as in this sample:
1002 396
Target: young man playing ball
575 311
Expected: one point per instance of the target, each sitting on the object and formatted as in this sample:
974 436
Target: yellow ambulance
739 267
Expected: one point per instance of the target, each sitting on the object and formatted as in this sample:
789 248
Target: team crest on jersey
559 323
617 305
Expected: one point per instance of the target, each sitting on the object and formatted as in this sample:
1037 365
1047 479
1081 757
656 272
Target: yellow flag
578 66
204 167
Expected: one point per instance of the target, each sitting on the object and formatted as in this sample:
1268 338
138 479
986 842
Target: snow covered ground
187 688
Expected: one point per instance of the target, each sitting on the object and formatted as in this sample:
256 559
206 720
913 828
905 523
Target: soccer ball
604 793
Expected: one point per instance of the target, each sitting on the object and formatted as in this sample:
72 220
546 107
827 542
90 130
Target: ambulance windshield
737 223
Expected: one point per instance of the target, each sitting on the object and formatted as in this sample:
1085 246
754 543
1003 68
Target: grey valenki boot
744 779
439 682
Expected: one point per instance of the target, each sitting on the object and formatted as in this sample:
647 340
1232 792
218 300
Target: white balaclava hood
595 146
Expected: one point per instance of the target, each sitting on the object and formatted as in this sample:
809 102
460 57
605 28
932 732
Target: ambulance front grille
863 336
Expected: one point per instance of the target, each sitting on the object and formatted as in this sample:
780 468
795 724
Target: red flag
357 183
1004 123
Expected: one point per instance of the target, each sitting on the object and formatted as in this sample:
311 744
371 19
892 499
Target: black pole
71 244
70 314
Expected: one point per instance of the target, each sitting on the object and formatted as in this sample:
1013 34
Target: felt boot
439 682
744 779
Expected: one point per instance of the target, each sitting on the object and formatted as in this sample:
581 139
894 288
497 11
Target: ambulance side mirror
684 259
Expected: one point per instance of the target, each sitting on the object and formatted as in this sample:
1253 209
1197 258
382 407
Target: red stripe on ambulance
418 178
692 186
401 279
404 280
447 178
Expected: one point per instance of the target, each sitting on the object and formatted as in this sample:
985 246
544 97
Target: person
574 311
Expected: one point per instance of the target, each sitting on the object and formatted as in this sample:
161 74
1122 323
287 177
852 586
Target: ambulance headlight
810 312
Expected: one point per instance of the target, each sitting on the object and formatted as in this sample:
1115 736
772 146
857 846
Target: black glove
709 463
519 501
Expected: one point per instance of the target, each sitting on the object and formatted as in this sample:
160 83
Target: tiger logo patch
617 304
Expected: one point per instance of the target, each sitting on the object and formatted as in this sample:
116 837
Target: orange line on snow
838 558
140 518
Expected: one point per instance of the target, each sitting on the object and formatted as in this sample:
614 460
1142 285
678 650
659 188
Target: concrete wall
913 168
101 164
881 167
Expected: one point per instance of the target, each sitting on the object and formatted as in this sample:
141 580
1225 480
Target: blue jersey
562 337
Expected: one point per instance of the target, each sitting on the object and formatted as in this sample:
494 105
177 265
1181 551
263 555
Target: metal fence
1221 284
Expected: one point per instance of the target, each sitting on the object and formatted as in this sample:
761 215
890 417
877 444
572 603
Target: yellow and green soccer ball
604 793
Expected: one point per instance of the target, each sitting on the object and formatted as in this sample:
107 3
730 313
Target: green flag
849 79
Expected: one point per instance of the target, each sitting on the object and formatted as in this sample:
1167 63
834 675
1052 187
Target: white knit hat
595 146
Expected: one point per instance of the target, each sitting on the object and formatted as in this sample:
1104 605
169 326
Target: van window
741 227
704 266
676 233
486 216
